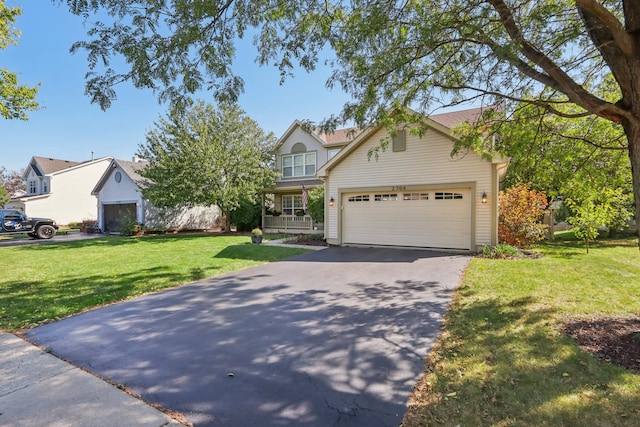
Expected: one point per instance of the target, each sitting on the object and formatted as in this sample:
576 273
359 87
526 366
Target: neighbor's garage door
435 219
113 215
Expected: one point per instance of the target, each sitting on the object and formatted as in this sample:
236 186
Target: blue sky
69 127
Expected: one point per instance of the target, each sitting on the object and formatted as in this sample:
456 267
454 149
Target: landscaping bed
610 339
309 240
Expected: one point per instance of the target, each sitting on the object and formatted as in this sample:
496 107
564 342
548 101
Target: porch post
263 210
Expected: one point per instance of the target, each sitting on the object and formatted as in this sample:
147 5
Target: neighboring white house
119 195
60 189
299 154
415 194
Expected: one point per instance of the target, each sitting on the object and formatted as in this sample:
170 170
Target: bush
501 251
247 216
128 225
521 210
316 204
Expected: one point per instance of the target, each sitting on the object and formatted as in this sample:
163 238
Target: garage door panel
438 223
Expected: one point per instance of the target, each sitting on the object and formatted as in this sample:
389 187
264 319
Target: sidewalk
38 389
283 242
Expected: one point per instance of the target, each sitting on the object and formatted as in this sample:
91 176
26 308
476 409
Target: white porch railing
288 222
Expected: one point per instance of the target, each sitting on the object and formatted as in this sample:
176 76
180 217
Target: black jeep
13 221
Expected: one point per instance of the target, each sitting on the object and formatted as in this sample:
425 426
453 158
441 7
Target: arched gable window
299 147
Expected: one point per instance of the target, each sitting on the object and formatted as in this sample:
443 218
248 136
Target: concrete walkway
38 389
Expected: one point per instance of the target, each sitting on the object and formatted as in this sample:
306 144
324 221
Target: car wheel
45 232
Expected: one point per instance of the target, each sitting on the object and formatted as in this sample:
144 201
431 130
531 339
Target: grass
502 360
45 282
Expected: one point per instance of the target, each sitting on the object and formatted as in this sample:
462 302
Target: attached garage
114 214
414 193
417 218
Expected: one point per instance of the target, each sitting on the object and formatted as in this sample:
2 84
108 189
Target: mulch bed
314 242
611 339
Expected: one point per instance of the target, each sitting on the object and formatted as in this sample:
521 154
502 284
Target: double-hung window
291 203
295 165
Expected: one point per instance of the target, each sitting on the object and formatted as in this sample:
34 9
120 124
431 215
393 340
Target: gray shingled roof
49 165
132 168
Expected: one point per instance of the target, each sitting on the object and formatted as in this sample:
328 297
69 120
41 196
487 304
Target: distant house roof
454 118
43 166
132 168
48 165
339 136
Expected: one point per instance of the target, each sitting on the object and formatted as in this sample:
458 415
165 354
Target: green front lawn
45 282
502 359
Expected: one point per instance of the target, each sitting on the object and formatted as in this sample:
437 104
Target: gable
423 159
128 170
440 123
117 186
298 140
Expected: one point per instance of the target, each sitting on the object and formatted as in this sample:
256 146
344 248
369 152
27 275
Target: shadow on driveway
335 337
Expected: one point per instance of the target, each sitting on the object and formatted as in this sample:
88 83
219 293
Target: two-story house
299 154
60 189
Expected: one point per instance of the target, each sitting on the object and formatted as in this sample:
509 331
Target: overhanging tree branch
610 24
555 76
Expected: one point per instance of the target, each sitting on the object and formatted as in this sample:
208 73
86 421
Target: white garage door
428 218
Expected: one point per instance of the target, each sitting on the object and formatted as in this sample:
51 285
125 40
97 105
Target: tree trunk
227 220
632 130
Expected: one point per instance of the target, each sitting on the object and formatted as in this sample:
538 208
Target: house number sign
398 187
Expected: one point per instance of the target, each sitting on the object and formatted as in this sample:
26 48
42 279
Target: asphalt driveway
330 338
20 240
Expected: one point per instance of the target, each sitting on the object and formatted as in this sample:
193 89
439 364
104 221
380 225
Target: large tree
15 99
11 180
203 156
579 160
387 53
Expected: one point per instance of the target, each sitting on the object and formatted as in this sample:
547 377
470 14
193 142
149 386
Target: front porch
291 224
285 209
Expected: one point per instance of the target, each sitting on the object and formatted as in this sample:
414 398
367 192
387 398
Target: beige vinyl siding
312 145
425 162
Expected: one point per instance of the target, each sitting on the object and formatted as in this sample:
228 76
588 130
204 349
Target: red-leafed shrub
521 212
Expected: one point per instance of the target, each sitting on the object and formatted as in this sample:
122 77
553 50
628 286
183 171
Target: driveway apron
330 338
